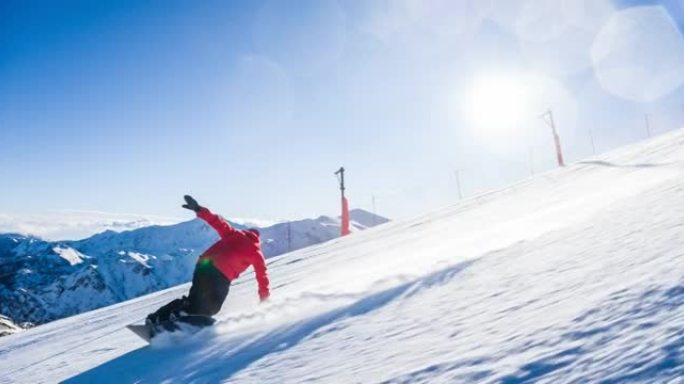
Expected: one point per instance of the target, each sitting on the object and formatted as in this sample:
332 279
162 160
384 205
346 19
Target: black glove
191 204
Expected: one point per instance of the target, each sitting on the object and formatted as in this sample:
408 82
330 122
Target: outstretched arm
221 226
261 277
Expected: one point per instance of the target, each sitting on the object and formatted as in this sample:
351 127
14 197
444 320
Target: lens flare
496 103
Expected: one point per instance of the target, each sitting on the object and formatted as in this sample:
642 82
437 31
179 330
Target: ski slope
572 276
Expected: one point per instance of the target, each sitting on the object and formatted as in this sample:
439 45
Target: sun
496 103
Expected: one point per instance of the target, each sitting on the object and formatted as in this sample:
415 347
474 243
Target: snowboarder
216 268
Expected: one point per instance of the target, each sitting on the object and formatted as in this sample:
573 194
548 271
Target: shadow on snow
198 361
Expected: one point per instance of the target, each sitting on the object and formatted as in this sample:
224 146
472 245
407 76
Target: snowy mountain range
41 281
77 224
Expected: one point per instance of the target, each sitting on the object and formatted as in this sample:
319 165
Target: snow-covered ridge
7 326
41 281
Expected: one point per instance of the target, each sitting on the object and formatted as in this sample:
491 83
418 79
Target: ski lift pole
556 139
344 227
340 177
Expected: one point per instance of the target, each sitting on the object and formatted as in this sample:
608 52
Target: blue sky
124 106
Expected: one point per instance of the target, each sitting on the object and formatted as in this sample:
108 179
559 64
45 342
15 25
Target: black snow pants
207 293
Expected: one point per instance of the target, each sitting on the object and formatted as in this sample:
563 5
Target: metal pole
591 137
374 211
289 236
648 125
458 183
556 139
340 174
344 225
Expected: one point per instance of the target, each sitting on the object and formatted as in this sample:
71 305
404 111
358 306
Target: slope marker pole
548 119
458 184
344 225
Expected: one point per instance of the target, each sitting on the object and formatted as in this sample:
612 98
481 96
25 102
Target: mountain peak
366 218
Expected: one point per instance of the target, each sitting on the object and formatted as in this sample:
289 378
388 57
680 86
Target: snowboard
188 324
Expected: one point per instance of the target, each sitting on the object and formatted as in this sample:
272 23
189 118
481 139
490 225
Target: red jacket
236 251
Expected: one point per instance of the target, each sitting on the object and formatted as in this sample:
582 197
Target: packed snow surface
575 275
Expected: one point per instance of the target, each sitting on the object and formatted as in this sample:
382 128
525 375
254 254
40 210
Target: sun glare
496 103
